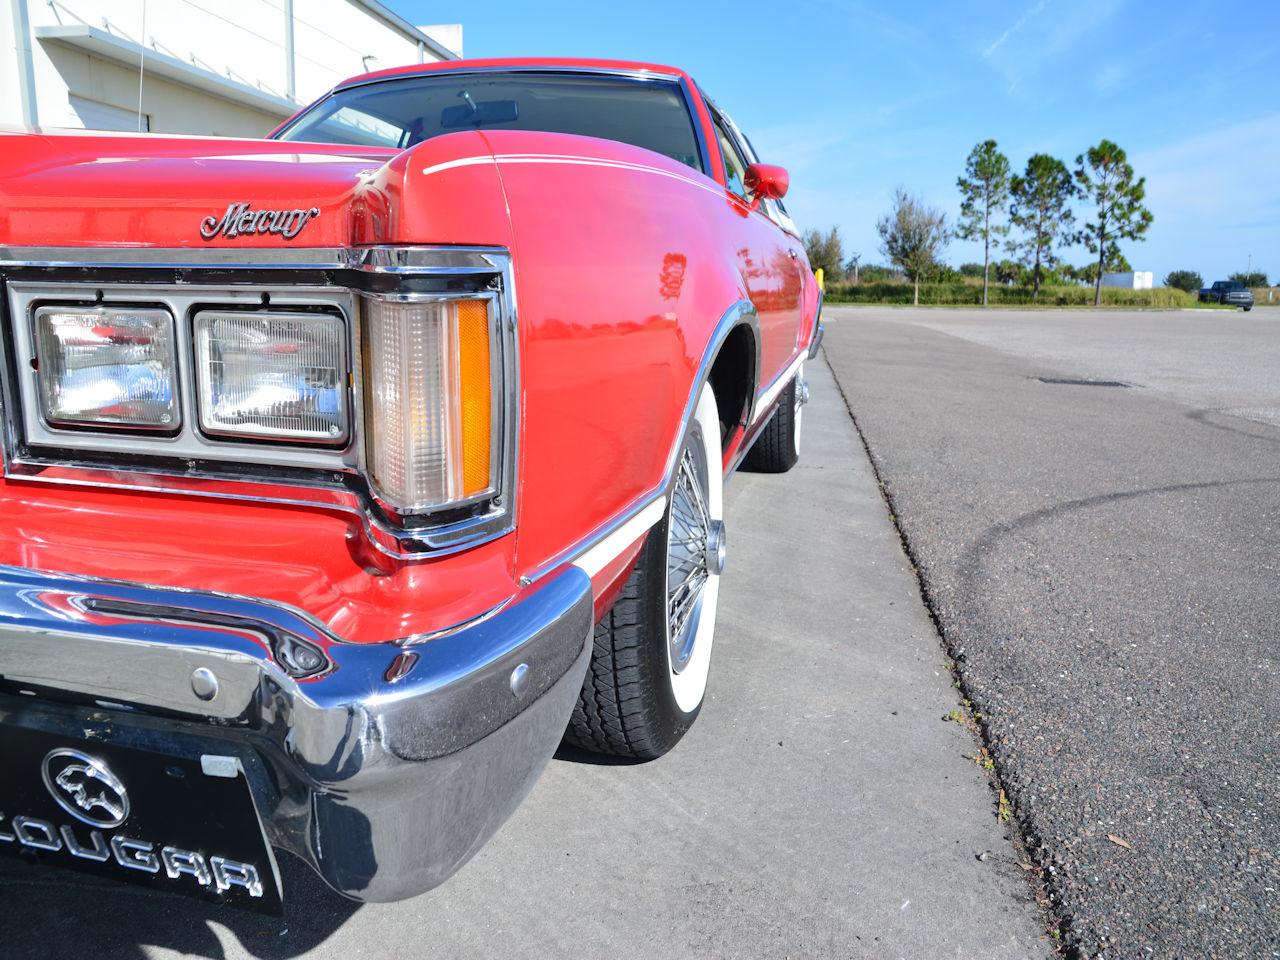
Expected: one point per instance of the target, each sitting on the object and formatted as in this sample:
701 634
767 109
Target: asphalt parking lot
1093 501
822 806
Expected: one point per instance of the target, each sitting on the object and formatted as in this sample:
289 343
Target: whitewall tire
651 654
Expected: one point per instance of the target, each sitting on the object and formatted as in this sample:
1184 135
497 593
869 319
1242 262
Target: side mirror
767 181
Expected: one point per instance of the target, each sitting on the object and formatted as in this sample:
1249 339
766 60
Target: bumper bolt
204 684
520 680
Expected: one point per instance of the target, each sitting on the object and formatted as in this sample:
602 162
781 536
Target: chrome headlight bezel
192 462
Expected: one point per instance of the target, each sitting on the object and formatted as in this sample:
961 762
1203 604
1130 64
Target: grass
966 294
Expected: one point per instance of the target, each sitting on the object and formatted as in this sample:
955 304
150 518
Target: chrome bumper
383 766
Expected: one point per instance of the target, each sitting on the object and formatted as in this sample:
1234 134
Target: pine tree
1104 176
985 192
1040 208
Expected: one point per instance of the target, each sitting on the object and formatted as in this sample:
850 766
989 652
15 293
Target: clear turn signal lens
428 401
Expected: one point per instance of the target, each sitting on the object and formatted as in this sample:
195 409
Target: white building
223 67
1141 280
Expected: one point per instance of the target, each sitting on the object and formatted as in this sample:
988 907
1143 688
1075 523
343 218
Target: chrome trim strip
633 74
742 312
649 76
369 259
770 393
815 341
605 551
193 258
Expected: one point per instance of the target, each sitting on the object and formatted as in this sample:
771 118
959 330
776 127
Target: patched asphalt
1103 563
822 806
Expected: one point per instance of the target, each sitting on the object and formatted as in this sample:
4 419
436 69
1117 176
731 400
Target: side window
735 167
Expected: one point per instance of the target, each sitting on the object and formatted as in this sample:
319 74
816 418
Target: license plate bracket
136 815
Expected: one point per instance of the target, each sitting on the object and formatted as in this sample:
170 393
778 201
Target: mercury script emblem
241 219
85 788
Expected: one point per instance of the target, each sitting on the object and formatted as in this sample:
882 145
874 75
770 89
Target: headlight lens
429 402
112 367
273 376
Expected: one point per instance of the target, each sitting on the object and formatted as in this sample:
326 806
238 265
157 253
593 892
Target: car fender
627 288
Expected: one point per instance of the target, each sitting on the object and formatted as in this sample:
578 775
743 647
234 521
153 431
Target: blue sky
858 98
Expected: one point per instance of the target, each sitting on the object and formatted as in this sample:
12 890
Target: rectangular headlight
112 367
429 401
272 376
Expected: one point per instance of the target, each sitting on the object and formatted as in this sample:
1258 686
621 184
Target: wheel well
733 379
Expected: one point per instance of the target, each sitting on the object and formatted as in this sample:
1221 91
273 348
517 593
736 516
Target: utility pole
290 55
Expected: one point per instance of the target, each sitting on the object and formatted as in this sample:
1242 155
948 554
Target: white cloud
1041 37
1018 24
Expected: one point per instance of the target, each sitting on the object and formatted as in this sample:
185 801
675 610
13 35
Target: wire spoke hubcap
695 553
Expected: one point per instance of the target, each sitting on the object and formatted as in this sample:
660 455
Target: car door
767 256
776 211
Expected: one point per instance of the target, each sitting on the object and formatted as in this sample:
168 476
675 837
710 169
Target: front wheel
651 654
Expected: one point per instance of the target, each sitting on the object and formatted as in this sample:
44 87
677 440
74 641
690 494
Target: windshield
407 110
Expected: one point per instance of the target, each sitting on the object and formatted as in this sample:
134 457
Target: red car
349 471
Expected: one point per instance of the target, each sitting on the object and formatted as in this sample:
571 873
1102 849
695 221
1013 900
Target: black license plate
134 815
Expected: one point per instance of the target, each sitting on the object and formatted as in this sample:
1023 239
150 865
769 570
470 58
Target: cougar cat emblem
86 788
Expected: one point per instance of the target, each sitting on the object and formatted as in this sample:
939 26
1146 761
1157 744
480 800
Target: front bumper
383 766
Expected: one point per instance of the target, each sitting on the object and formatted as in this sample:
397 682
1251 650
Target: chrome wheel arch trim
601 546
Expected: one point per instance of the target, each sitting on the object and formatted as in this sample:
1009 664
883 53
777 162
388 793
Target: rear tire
777 448
643 690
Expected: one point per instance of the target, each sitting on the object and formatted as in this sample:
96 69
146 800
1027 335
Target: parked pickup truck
1230 292
348 471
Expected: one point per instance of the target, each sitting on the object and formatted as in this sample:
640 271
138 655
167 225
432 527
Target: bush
966 294
1255 279
1187 280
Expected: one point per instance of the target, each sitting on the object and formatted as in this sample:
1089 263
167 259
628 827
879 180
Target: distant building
223 67
1141 280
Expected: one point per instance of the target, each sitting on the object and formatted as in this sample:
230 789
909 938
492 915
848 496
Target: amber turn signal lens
477 398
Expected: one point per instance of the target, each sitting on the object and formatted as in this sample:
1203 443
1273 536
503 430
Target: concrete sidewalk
820 807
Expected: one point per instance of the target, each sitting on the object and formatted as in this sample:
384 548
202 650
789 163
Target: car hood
132 191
